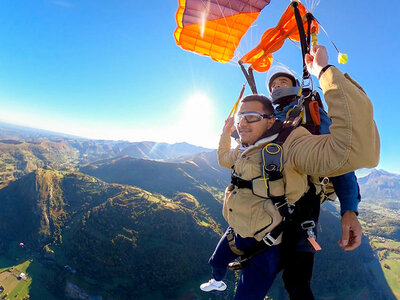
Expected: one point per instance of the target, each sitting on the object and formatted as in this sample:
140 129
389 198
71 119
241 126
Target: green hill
166 178
122 241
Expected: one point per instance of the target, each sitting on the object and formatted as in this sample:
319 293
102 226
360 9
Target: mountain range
121 226
23 150
382 188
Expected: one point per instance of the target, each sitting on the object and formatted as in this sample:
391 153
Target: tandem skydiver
259 198
297 252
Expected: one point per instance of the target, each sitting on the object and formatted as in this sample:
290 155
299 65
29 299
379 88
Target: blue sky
112 70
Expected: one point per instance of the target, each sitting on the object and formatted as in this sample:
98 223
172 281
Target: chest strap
241 183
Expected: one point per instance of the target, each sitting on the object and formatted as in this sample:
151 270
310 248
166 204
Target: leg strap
231 241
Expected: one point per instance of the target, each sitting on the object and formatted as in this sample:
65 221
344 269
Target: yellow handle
314 40
236 105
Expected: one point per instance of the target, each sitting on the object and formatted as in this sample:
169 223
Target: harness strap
241 183
269 240
231 241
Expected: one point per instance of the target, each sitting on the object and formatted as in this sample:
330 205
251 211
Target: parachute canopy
215 27
272 40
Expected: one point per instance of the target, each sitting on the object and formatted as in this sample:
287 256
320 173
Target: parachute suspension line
311 5
315 4
287 67
342 57
222 13
236 105
249 77
294 43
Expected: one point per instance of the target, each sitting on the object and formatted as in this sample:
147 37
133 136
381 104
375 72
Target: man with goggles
353 143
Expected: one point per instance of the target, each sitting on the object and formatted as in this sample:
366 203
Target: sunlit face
250 133
281 81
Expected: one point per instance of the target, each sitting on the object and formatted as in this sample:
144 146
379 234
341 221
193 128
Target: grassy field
13 285
17 260
391 269
389 256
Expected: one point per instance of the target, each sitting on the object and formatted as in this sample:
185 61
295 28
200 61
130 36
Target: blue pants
257 277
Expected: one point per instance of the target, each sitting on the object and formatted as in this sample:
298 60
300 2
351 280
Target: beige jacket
352 144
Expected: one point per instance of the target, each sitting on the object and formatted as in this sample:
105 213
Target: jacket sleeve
226 157
348 192
354 140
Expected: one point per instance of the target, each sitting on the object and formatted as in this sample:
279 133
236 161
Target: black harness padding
309 98
307 207
241 183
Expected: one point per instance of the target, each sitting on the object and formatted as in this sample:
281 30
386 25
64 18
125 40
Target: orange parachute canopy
272 40
215 27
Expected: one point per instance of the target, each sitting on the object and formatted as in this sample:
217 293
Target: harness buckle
307 225
324 181
271 168
235 266
291 208
281 204
269 240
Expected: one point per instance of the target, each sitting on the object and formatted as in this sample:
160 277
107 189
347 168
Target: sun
196 121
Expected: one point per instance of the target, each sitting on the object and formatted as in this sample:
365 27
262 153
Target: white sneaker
213 285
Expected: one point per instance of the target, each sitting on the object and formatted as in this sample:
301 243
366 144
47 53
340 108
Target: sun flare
196 121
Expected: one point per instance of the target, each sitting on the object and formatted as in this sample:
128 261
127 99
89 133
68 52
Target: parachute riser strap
305 42
249 78
303 39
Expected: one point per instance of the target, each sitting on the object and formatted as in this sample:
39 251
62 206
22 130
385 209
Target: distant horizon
360 173
97 139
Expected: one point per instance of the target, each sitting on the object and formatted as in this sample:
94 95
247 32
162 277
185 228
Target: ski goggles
251 116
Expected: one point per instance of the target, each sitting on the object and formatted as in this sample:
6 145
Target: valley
86 219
